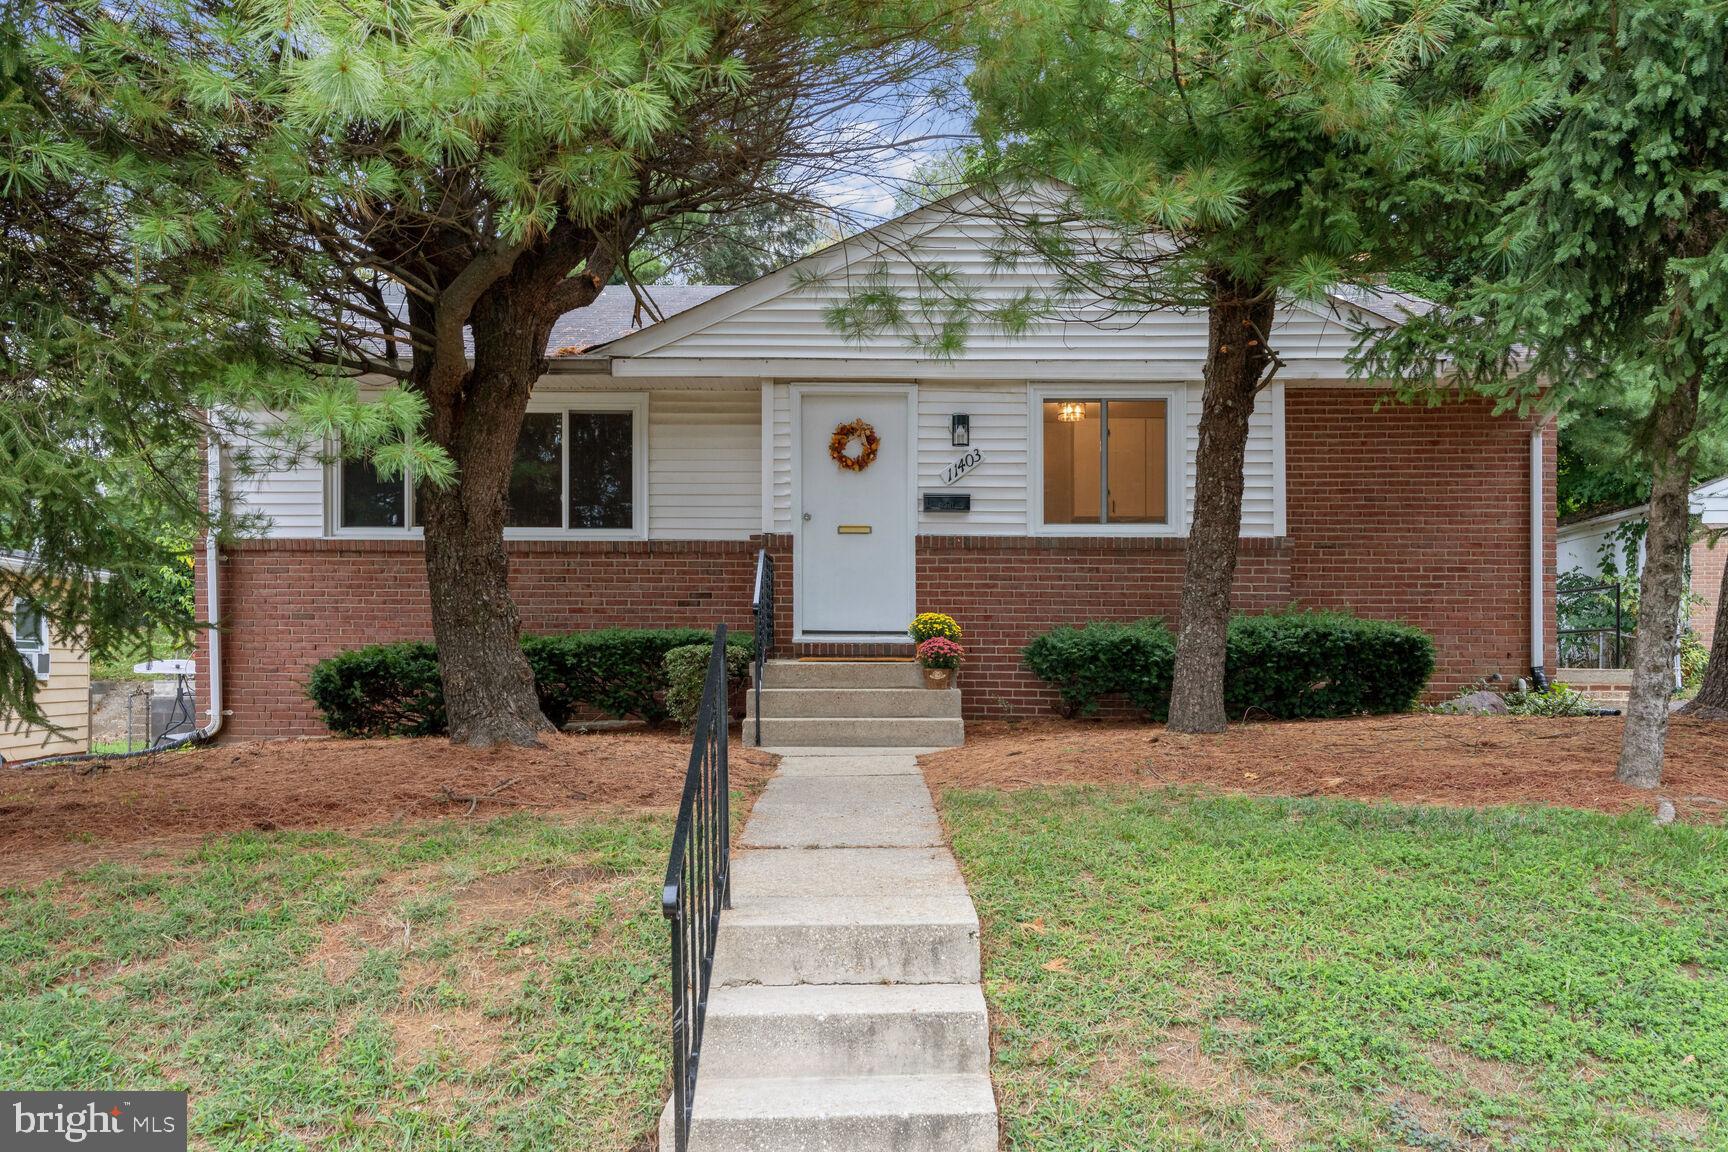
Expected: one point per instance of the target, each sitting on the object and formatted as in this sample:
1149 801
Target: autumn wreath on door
840 443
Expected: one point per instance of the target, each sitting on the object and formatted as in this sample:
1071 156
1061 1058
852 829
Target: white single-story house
1033 479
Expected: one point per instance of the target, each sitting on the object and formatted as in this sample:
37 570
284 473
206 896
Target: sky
911 132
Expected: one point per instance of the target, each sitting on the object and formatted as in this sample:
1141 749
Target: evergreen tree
132 309
437 182
1246 153
1606 274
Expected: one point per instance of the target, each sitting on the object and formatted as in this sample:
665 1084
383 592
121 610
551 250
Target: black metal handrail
762 607
698 883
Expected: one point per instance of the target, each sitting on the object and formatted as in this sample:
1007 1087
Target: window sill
1106 530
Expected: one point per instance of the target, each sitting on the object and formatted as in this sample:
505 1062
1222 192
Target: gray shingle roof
613 314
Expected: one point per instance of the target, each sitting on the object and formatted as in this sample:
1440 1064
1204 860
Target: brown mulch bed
1470 761
340 784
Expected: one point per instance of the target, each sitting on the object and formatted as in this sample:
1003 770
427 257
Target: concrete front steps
846 1013
853 704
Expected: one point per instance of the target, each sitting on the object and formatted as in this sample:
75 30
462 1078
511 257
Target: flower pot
941 677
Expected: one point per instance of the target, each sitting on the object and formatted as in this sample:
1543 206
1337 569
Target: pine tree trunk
1236 360
1712 699
1660 590
489 694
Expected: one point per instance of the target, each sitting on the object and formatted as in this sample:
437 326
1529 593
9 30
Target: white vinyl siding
1262 464
998 486
782 470
282 491
702 478
785 316
704 464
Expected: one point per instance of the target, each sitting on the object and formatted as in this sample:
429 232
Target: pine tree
1606 276
1247 154
440 181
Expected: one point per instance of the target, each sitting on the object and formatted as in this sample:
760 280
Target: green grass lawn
1172 971
461 985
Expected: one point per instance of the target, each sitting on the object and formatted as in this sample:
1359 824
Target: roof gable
958 249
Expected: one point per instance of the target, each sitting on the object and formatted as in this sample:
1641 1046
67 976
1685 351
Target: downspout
212 593
212 582
1538 550
213 472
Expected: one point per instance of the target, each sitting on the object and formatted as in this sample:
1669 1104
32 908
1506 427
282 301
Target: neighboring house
62 672
653 467
1610 542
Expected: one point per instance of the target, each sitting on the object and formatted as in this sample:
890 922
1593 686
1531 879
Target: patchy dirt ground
1425 759
338 784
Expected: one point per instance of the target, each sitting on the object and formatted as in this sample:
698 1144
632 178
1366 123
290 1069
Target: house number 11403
968 461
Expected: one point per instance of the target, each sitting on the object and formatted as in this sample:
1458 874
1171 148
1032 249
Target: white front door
854 556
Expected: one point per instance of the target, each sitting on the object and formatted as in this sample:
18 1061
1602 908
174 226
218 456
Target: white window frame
42 643
1175 462
636 403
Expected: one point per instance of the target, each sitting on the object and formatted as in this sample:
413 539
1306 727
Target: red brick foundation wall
1007 589
287 604
1420 515
1414 514
1708 564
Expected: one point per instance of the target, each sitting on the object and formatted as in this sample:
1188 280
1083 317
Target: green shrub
1556 700
380 690
1694 658
1106 658
1306 665
619 671
394 690
1285 665
687 671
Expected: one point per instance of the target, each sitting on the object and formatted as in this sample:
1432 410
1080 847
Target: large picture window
574 469
1106 461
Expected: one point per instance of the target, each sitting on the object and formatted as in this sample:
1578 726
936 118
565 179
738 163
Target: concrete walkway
846 1012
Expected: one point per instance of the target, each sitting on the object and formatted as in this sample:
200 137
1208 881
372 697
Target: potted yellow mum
937 636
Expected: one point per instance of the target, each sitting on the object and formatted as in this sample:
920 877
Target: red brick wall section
1421 515
1006 590
287 604
1415 514
1709 561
